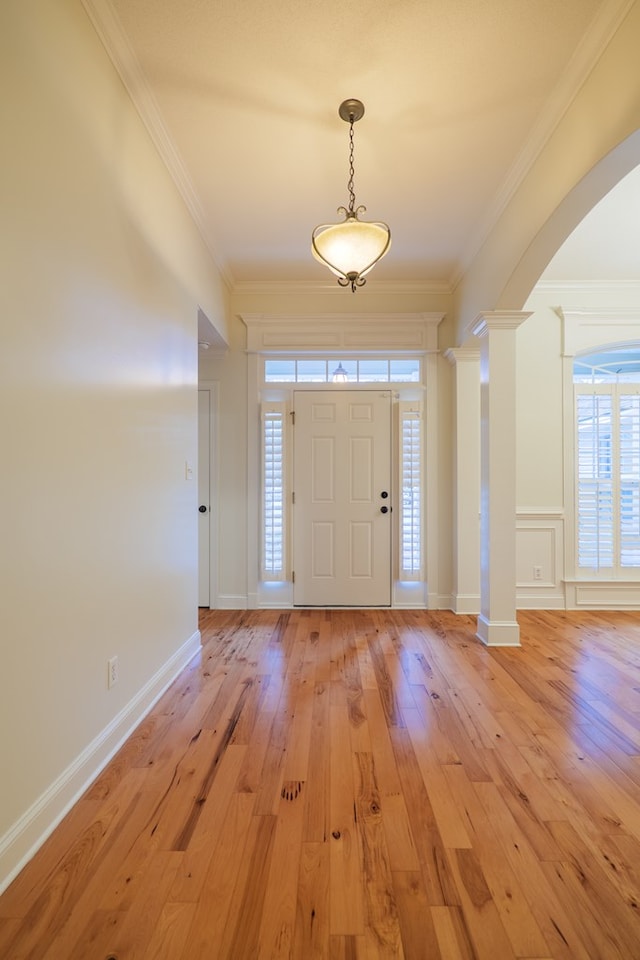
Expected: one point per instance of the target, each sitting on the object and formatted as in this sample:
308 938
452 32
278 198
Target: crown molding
589 286
114 39
579 66
332 289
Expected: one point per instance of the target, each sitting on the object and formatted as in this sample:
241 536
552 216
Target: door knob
202 508
384 509
384 494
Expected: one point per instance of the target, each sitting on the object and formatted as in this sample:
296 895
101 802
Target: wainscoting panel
539 552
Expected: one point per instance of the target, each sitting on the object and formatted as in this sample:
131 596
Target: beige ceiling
242 97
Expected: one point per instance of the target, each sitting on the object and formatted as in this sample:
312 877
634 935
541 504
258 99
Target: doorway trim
214 460
319 335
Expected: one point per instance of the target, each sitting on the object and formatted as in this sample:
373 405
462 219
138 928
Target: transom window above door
337 369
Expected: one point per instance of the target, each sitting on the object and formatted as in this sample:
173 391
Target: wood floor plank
555 917
403 854
173 924
72 890
478 907
382 930
507 890
595 934
345 864
439 886
317 798
311 934
195 863
454 940
620 920
214 906
245 914
277 923
419 941
296 766
128 929
381 746
450 824
358 784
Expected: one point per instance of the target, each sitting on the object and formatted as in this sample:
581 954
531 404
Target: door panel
204 516
342 463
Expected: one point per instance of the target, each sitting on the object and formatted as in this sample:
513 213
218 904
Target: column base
466 603
498 633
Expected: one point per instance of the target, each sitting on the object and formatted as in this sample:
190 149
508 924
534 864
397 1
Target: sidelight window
273 492
411 494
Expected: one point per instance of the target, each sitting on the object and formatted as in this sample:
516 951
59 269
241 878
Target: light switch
188 470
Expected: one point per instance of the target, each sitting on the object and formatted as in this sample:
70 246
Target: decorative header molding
588 330
343 333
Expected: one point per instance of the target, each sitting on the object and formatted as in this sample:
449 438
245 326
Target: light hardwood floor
361 784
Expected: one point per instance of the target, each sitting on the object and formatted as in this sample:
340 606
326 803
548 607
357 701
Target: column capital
497 320
456 355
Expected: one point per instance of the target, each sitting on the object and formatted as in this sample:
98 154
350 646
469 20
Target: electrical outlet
537 573
112 675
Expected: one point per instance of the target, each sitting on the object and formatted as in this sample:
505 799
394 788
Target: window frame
353 364
616 570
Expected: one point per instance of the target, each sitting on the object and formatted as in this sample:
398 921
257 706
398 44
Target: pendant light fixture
352 247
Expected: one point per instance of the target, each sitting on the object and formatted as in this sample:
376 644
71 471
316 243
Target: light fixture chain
352 196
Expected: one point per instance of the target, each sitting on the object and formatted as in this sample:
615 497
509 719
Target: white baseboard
26 836
552 601
603 594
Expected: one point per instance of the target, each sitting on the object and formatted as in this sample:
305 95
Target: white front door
342 505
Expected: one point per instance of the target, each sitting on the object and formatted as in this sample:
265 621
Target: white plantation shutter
411 492
608 477
595 485
273 486
629 494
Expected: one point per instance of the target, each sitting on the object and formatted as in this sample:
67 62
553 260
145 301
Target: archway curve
595 144
566 217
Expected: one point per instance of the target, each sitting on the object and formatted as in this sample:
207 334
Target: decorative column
466 478
497 624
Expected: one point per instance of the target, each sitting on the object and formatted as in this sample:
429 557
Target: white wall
539 411
102 275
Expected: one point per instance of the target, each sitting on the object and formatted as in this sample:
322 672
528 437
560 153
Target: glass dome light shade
350 249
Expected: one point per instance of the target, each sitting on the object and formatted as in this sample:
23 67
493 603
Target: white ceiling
242 98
